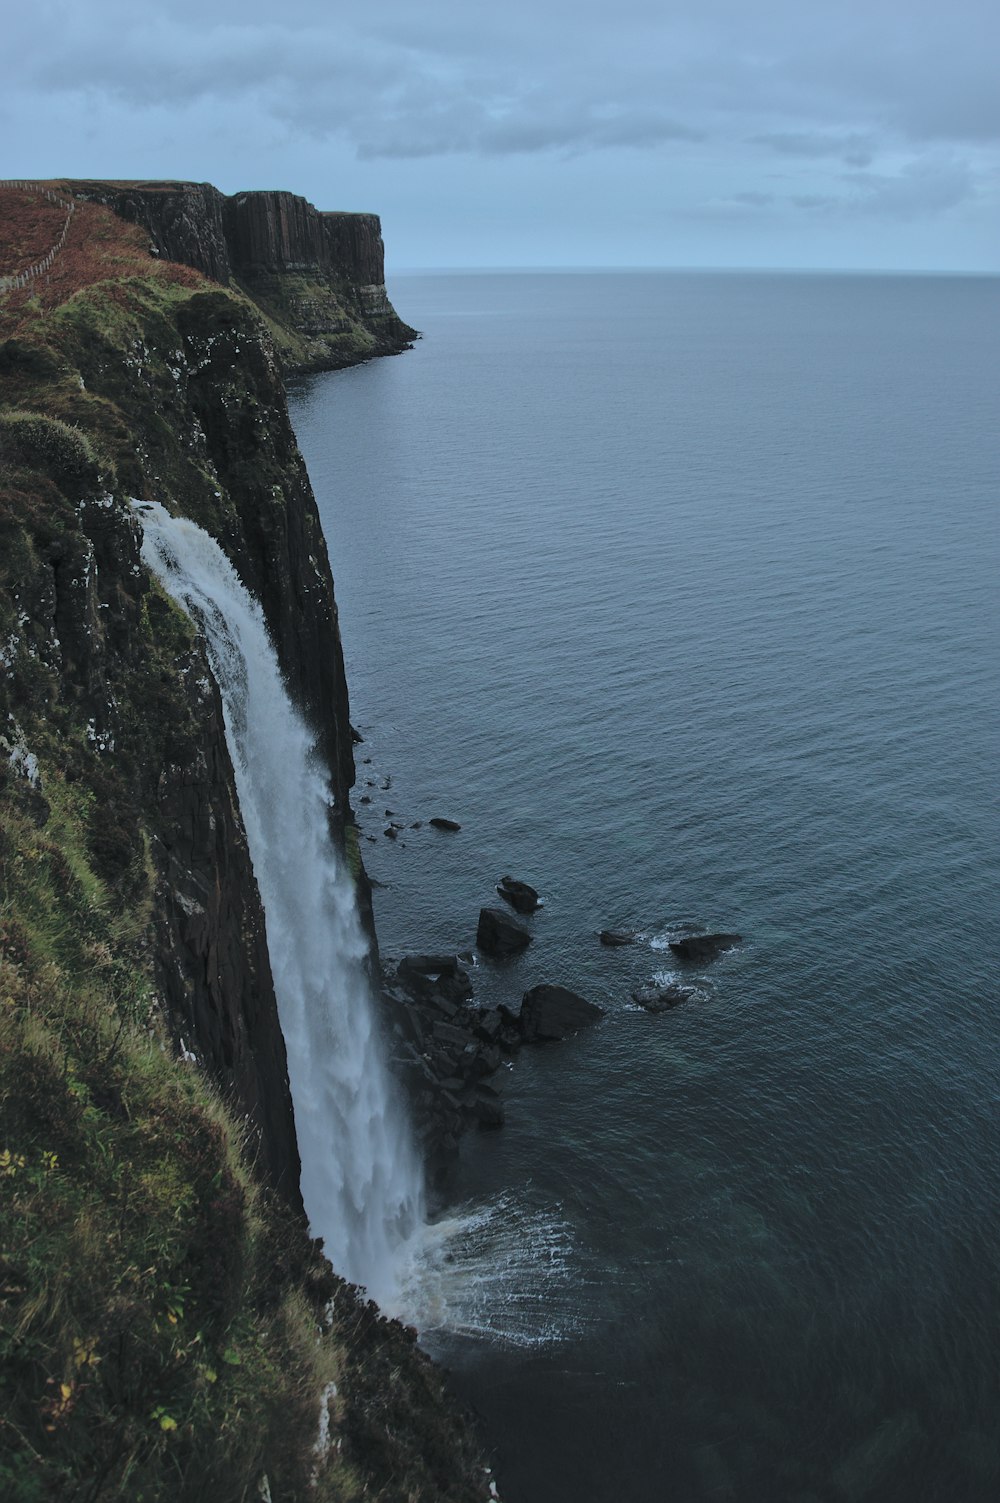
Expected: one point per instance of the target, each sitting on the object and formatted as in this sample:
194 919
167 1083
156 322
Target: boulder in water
699 949
656 997
428 965
612 937
554 1012
499 935
440 823
521 897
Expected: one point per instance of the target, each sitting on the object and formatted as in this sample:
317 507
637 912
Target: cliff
167 1327
318 277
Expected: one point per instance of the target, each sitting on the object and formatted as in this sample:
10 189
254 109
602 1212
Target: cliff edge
319 278
168 1329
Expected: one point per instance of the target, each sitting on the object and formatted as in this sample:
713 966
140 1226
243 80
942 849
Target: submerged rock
655 997
440 823
701 948
519 895
554 1012
616 937
428 965
499 935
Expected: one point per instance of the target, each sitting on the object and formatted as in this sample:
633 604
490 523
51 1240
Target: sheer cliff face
196 1332
320 277
175 395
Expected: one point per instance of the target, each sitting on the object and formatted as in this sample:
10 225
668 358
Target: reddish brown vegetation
30 225
99 247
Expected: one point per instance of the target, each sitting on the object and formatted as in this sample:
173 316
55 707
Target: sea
678 591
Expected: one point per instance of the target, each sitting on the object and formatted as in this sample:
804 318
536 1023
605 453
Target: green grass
151 1344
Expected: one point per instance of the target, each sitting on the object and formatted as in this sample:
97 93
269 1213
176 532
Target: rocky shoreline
449 1049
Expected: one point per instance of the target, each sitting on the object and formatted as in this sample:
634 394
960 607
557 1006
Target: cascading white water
498 1271
361 1176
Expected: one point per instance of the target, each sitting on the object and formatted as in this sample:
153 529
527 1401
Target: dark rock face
698 949
211 955
199 403
554 1012
499 935
273 536
184 221
521 897
270 232
616 937
155 761
320 276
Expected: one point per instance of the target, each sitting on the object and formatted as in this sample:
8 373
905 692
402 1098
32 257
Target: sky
719 133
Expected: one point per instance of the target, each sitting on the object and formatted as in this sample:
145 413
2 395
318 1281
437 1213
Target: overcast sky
543 132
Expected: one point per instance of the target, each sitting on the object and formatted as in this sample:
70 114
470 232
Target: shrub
34 441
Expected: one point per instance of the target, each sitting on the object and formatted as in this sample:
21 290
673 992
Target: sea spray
361 1176
499 1271
502 1271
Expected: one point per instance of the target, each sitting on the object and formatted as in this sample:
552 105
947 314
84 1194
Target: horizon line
844 271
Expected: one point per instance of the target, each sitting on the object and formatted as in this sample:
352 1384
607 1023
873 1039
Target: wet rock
391 831
440 823
699 949
365 799
554 1012
428 965
614 937
521 897
499 935
488 1107
488 1026
447 1033
356 736
485 1061
660 998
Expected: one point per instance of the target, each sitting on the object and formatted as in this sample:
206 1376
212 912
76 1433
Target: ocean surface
679 591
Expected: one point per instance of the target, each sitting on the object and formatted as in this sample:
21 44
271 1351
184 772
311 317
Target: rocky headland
169 1330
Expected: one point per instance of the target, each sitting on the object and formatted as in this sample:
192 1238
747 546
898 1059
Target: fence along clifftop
21 278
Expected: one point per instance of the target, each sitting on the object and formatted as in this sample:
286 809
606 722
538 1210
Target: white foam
500 1272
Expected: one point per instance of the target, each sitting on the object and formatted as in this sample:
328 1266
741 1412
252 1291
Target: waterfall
361 1176
501 1271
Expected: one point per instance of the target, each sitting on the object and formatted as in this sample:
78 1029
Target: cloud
517 128
923 187
771 117
854 149
566 75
